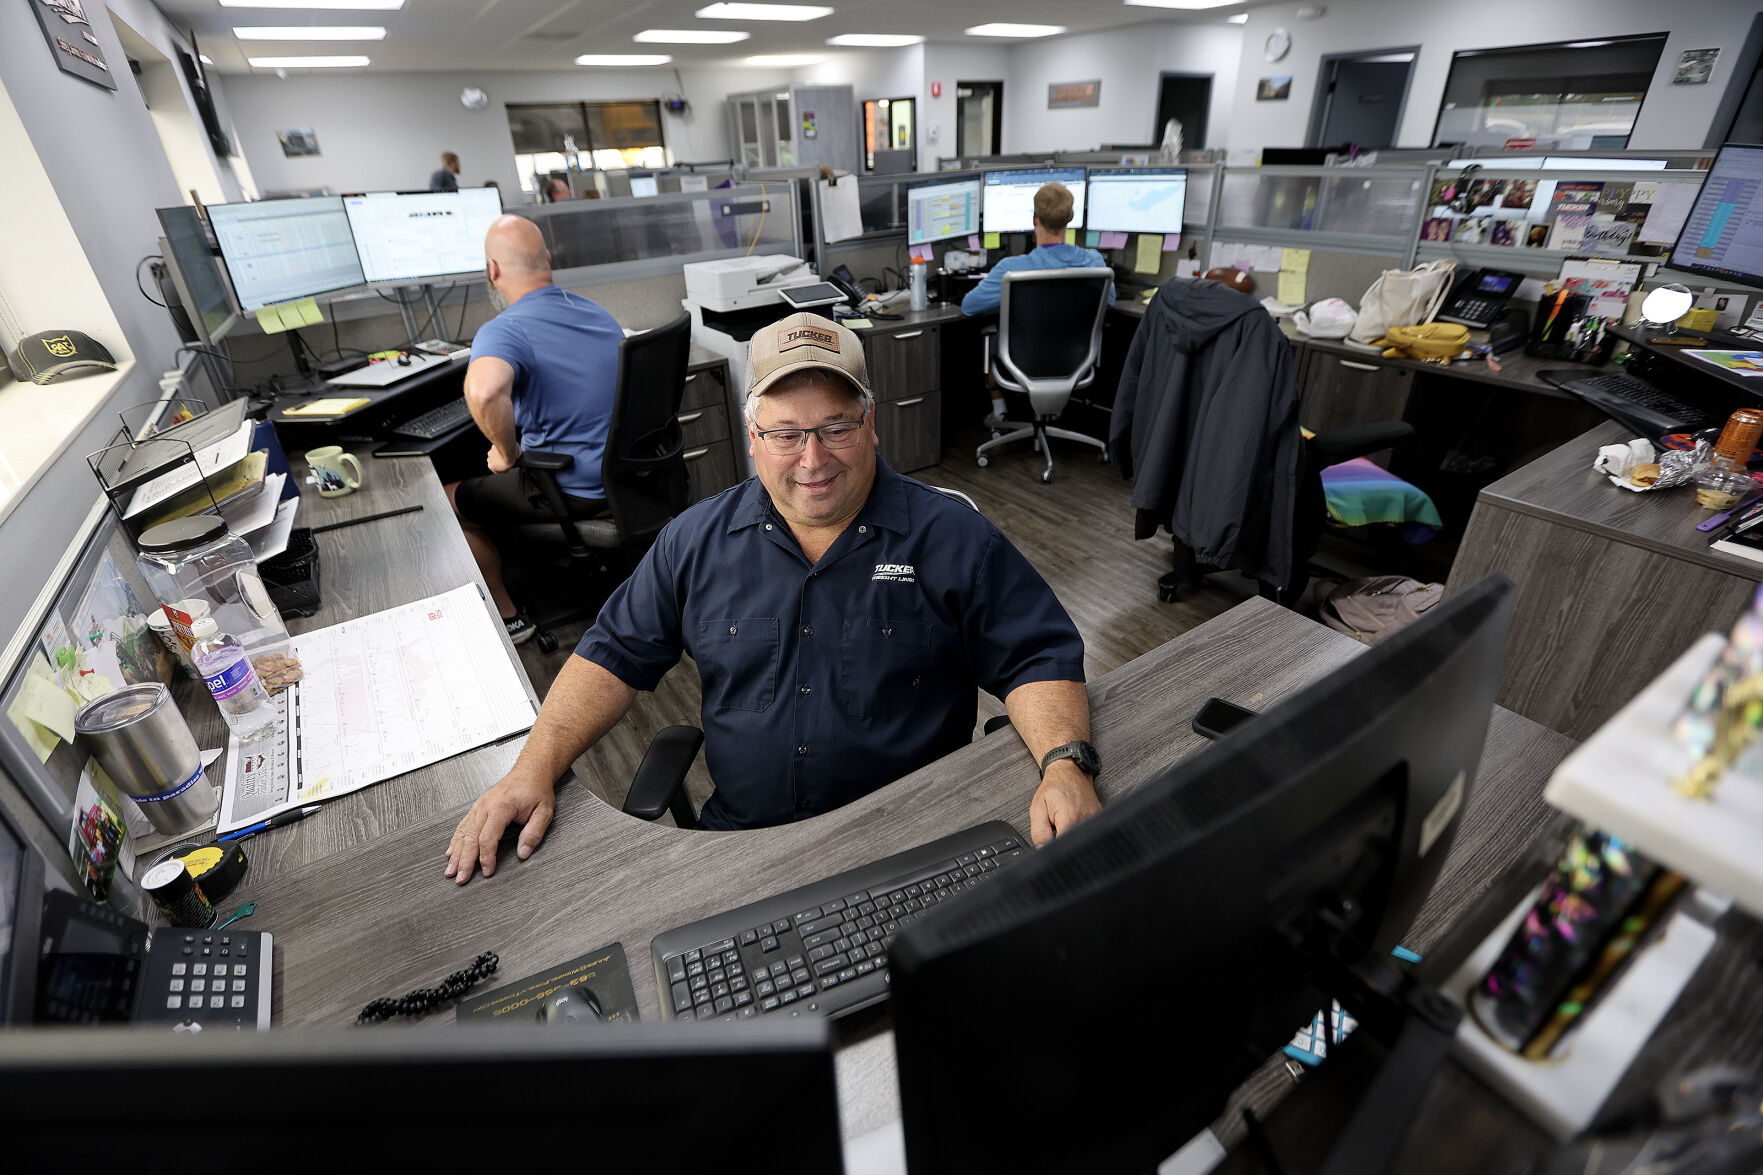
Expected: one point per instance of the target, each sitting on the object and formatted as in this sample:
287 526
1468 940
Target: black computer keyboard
1643 407
822 948
435 422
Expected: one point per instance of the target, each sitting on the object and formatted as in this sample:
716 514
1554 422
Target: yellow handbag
1430 342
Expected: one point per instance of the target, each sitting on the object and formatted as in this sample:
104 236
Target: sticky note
270 319
1113 240
857 323
1150 253
42 711
973 242
992 241
1294 261
1171 242
1094 238
331 407
306 309
1291 288
1071 236
923 253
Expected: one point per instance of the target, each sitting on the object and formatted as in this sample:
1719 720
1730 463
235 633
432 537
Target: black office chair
643 471
1049 344
1309 511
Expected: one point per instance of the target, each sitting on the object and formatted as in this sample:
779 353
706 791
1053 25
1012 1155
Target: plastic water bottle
919 284
227 673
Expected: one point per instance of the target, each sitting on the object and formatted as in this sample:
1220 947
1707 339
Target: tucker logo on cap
809 336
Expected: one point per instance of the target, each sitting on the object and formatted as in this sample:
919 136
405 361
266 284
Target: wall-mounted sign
300 142
809 129
1065 95
70 38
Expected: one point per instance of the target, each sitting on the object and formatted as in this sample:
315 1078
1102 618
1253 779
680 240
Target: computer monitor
940 209
1723 235
196 273
1009 204
411 236
659 1097
645 185
1137 200
1136 970
21 898
280 250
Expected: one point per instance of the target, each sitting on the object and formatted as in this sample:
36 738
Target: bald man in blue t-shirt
543 376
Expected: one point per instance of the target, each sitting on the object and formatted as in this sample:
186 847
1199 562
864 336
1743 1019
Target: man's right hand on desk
518 797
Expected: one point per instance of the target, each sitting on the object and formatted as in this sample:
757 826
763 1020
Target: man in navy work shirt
543 376
446 179
841 617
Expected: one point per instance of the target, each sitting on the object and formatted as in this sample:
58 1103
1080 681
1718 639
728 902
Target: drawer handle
693 376
688 417
910 334
694 454
1359 366
908 403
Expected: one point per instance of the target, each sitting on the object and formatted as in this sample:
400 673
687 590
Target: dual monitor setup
1131 973
1132 200
280 251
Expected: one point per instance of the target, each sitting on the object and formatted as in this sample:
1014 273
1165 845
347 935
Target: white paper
1671 207
1225 254
841 216
227 451
1266 258
1187 268
260 510
694 183
272 540
380 695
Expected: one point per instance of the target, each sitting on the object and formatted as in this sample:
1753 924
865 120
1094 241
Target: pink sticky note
1113 240
973 242
923 253
1171 242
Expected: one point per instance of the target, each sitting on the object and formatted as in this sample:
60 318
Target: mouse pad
603 972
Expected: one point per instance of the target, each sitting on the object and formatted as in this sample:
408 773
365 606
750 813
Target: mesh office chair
643 469
1049 344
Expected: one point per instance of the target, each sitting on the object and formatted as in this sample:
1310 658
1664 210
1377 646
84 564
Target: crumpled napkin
1617 461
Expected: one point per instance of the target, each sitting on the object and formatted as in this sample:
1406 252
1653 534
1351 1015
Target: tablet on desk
809 297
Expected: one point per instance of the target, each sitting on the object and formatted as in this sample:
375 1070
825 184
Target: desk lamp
1664 306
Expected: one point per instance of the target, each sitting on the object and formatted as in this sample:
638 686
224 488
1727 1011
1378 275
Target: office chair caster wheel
1046 476
1105 458
546 642
984 461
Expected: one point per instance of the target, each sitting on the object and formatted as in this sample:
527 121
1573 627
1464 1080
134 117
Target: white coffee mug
330 465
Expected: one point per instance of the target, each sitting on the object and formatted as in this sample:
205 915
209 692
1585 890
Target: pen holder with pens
1566 329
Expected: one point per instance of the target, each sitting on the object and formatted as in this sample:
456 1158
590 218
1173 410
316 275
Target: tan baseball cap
804 342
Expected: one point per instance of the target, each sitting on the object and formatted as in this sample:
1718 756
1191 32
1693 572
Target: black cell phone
1219 717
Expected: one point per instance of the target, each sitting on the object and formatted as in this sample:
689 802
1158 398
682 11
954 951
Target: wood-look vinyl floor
1076 531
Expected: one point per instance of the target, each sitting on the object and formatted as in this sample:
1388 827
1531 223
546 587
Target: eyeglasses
787 442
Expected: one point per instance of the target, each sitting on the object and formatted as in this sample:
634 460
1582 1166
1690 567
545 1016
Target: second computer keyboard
435 422
821 948
1643 407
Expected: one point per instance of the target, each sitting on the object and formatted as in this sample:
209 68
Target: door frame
1324 97
997 87
1156 138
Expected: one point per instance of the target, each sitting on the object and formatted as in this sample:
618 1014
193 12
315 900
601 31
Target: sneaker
996 421
520 628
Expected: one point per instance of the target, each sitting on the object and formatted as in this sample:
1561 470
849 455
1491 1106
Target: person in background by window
446 179
557 188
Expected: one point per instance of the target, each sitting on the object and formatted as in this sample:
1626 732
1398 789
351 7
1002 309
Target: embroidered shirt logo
895 573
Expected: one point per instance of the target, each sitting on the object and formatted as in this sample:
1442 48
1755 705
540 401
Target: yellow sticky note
1294 261
42 711
857 323
1291 288
270 319
992 241
1150 253
331 407
1071 236
308 311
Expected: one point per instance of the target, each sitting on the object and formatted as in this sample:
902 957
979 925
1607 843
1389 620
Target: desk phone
1478 297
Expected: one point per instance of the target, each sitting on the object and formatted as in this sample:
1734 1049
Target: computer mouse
574 1005
403 361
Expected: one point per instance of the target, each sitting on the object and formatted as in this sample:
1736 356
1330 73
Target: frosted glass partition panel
659 232
1379 202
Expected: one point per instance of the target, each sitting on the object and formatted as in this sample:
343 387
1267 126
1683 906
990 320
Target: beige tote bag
1402 297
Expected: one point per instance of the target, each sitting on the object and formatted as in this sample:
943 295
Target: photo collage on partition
1610 219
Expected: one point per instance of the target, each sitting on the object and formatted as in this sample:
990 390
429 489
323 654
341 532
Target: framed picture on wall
72 42
298 142
1694 67
1273 89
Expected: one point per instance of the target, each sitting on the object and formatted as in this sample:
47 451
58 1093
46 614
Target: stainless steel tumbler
141 741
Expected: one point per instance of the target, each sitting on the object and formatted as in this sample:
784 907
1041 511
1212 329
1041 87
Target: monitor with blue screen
1009 204
1138 200
1723 235
940 210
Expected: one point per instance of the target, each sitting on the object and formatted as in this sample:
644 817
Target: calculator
206 980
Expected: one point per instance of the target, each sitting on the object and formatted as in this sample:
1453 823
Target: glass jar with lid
196 566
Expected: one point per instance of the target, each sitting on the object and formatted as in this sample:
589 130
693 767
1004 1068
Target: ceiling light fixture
690 36
875 40
1239 18
623 59
307 62
1191 4
310 33
359 5
1004 29
785 60
206 60
738 11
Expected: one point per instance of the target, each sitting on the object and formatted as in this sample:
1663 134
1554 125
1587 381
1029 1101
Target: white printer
741 283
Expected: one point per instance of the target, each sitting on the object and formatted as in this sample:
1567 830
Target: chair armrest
995 723
549 462
1344 444
658 785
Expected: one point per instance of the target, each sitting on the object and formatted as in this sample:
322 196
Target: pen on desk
292 816
368 518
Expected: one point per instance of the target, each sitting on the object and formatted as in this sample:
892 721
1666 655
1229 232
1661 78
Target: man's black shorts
514 498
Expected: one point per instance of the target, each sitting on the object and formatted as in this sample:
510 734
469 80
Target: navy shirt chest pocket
737 660
884 666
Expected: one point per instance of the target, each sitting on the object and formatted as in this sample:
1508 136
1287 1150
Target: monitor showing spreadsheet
941 209
1723 235
280 250
1137 200
196 274
415 235
1009 198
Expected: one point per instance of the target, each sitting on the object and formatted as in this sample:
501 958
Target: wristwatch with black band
1079 752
